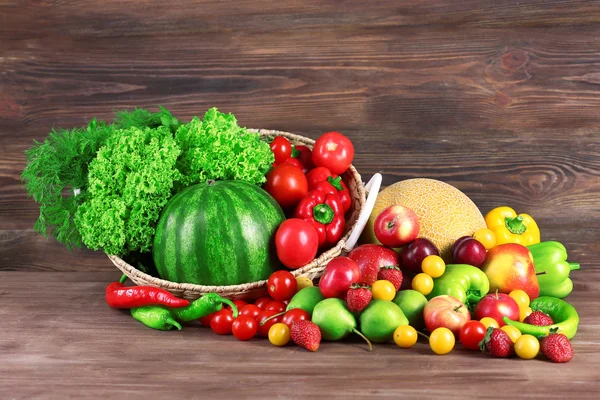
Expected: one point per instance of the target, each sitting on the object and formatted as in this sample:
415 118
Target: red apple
469 251
412 255
497 306
370 258
445 311
396 226
340 273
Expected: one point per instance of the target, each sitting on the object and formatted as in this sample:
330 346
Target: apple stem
457 308
497 298
364 337
541 273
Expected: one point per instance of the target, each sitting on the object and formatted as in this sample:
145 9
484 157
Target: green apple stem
364 337
271 317
541 273
424 335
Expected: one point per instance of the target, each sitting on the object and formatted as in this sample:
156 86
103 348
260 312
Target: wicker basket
359 213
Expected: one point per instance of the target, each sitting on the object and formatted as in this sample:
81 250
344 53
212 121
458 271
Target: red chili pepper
120 296
325 212
322 179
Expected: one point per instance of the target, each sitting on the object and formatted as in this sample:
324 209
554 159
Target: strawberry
391 273
306 334
358 297
557 348
538 318
497 343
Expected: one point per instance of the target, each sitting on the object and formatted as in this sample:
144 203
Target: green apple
412 304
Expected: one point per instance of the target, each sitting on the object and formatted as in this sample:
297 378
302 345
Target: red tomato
244 327
287 184
221 322
316 176
238 303
296 162
250 310
281 148
334 151
471 334
295 314
282 285
206 320
305 157
277 306
264 329
261 302
296 242
340 273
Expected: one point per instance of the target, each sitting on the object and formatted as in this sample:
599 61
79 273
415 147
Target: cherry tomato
334 151
279 334
262 302
221 322
296 242
524 313
317 175
512 331
282 285
287 184
275 305
520 297
486 237
206 319
294 161
405 336
293 315
527 347
281 148
244 327
383 290
305 157
250 310
488 321
441 341
238 303
471 334
433 266
303 282
422 283
263 330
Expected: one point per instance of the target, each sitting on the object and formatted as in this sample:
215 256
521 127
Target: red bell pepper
322 179
325 212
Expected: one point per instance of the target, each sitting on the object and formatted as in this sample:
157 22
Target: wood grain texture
64 342
498 98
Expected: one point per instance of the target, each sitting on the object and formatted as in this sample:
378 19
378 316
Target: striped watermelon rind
218 233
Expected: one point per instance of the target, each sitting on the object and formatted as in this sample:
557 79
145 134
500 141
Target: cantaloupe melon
445 213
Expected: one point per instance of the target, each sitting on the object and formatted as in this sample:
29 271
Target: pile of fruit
211 203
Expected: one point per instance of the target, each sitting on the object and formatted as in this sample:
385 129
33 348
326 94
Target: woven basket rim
318 263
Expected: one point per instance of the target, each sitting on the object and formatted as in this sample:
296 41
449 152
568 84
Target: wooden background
499 98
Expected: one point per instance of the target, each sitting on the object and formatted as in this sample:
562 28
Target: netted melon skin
445 213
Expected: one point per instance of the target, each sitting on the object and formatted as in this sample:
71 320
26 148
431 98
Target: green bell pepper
463 282
552 268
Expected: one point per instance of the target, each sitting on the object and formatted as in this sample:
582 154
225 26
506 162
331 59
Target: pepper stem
230 303
364 337
323 214
123 279
515 225
174 323
336 182
272 316
574 266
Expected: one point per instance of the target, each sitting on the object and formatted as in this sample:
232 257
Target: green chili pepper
156 317
563 314
205 305
552 268
463 282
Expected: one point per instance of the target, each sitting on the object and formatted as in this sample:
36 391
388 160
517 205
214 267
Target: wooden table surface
498 98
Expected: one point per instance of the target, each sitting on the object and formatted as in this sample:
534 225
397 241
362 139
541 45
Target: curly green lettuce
129 182
218 148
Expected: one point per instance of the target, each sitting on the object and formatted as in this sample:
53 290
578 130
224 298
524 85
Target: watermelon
218 233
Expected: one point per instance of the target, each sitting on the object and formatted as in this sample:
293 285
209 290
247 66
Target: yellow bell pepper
512 228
